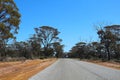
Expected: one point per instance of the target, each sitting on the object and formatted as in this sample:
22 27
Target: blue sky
75 19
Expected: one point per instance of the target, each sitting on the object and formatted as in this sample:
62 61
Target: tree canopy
47 35
9 19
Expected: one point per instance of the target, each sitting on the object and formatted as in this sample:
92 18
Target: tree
84 50
35 44
9 21
47 35
115 30
81 49
23 49
108 38
78 51
98 48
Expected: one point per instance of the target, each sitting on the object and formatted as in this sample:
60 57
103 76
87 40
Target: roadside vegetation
45 43
42 44
106 49
20 60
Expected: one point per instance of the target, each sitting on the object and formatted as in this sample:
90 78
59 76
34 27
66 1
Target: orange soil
23 70
114 65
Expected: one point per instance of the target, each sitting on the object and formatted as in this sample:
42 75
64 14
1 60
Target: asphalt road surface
69 69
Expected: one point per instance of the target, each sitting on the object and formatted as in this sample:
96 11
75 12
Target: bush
42 57
13 59
117 61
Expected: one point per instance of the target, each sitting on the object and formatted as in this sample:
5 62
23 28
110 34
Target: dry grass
110 64
22 70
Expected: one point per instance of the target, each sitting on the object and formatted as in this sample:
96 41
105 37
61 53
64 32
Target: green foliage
58 49
109 38
108 48
35 44
35 48
9 19
9 23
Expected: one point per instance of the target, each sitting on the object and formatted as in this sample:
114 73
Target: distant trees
9 22
35 44
78 50
22 49
83 50
108 48
58 49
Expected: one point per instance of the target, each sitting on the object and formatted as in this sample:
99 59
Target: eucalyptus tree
108 38
9 21
35 44
115 47
47 35
79 50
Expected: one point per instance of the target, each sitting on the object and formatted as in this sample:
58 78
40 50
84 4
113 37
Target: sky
75 19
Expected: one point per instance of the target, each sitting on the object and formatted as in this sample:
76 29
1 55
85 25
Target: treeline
44 43
106 49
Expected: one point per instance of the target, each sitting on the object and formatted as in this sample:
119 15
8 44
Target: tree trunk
108 53
46 51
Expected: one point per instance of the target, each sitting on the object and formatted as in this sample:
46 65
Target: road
69 69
